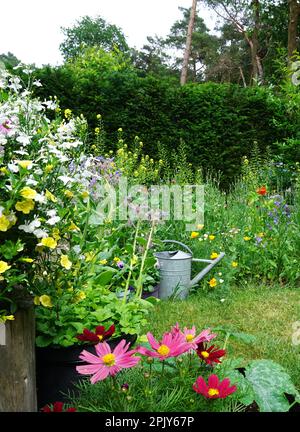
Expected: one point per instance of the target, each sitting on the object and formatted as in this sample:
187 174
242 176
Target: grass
268 313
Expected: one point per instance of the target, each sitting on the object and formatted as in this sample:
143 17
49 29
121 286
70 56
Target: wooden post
17 363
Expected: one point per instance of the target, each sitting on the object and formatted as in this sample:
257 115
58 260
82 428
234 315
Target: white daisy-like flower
54 220
31 226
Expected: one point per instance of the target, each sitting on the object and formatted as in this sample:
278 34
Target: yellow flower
50 196
69 194
80 296
65 262
194 234
200 226
55 234
4 318
24 163
211 237
46 301
73 227
116 259
234 264
89 256
97 131
28 193
98 116
68 113
4 170
48 168
246 238
103 262
36 300
4 223
49 242
214 255
213 282
85 194
4 266
25 206
27 260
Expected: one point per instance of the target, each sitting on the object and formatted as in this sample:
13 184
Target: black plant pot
56 373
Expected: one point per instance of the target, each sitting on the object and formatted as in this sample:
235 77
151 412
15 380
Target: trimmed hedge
218 122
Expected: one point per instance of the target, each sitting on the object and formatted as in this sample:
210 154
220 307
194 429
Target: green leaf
269 382
43 341
105 277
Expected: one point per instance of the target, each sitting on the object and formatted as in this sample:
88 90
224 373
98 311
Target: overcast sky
30 29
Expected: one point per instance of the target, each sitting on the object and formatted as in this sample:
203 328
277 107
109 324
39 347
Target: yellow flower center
189 337
100 337
163 350
109 359
213 392
204 354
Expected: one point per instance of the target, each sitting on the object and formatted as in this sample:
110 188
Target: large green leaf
269 382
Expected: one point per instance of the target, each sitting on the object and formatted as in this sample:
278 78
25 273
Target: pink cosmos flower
171 345
215 389
107 362
189 335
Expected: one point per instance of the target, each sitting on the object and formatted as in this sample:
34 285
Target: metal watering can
175 270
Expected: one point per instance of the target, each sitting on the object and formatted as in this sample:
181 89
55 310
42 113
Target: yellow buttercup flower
28 193
36 300
4 223
73 227
24 163
213 282
85 194
48 168
68 193
214 255
65 262
50 196
211 237
194 234
49 242
46 301
116 259
4 266
25 206
246 238
103 262
234 264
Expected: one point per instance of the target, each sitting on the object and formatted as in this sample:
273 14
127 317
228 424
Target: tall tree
294 12
245 17
91 32
187 52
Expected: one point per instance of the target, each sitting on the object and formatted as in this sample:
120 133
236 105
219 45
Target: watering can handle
181 244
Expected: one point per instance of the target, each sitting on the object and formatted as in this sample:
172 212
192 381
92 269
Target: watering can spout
211 264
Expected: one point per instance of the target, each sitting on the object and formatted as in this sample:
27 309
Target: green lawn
267 313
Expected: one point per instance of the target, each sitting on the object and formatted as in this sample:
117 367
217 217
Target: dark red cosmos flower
211 354
57 407
100 334
262 191
214 389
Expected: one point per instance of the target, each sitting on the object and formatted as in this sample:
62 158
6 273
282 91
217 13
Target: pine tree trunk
187 53
294 8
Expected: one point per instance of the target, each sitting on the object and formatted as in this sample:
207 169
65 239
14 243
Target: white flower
222 300
65 179
51 213
40 233
76 249
13 167
30 227
53 220
23 139
221 280
31 182
40 198
37 83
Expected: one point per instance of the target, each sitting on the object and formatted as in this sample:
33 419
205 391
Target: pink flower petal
152 341
88 369
213 381
100 375
102 349
89 357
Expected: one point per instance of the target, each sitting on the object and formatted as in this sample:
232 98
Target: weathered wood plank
17 364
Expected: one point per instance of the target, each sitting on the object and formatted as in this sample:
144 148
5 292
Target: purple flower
120 264
258 240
